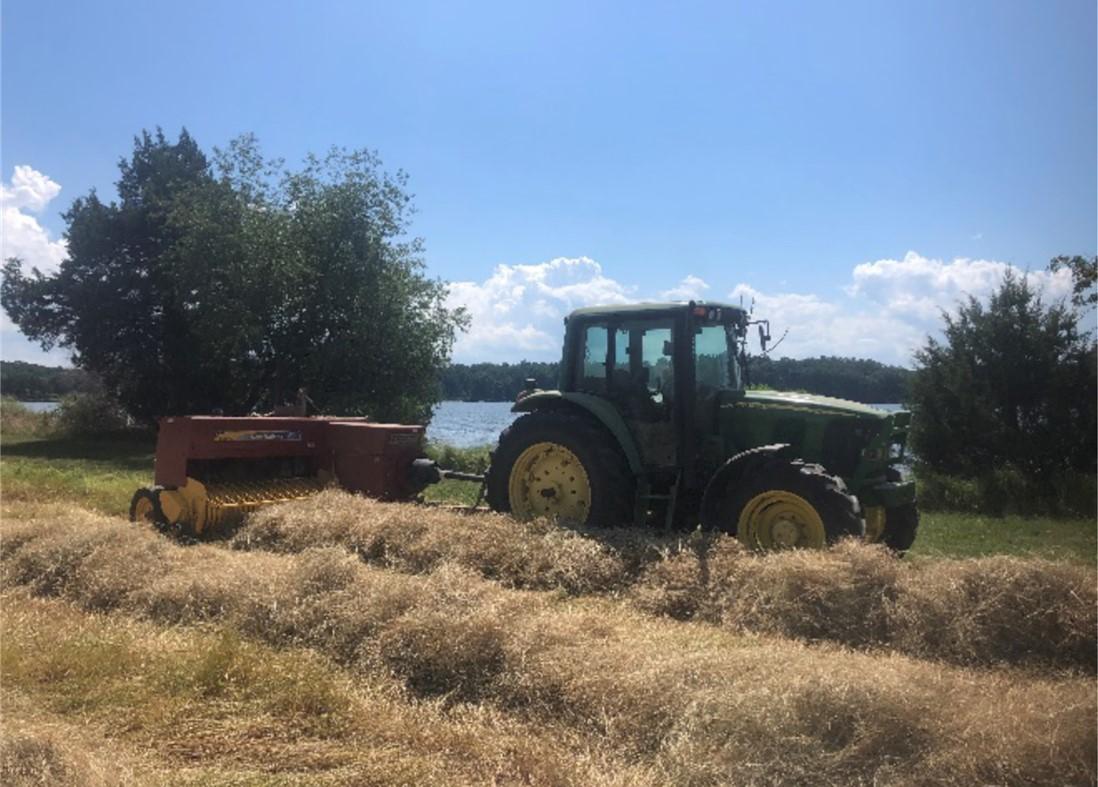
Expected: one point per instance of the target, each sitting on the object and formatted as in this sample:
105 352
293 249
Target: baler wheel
145 508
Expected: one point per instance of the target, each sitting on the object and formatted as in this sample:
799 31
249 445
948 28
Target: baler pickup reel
211 470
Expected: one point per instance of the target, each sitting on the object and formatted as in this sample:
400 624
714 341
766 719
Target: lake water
468 424
462 424
40 407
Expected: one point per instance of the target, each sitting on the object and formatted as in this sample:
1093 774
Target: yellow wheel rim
143 510
549 480
777 519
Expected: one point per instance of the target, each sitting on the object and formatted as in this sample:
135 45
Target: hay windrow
33 755
985 611
697 703
201 705
417 539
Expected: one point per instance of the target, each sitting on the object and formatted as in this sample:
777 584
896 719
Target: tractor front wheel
560 466
791 505
901 523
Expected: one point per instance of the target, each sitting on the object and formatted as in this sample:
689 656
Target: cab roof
665 307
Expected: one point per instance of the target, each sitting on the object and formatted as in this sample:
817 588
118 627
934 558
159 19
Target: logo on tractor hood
257 435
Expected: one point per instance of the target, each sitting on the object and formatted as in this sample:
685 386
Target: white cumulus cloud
808 325
29 189
22 200
517 312
21 235
888 307
884 311
690 288
919 285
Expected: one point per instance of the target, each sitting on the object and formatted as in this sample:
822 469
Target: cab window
656 355
641 366
591 373
621 352
712 366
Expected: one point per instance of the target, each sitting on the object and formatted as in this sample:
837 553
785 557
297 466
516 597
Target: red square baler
212 469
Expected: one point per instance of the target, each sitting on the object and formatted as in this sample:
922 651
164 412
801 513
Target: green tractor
653 421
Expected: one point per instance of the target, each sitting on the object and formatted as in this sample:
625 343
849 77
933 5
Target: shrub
16 419
467 460
1002 490
89 415
1007 400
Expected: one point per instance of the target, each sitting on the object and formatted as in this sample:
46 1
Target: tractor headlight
905 472
873 454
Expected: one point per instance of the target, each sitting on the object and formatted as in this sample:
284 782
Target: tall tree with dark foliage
234 282
1011 385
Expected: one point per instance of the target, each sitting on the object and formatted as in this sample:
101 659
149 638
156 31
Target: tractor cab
664 367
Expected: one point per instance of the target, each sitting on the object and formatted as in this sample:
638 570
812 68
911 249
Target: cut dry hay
37 755
416 539
983 611
696 704
204 706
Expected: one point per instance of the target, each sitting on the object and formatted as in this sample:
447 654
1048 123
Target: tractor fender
730 473
598 408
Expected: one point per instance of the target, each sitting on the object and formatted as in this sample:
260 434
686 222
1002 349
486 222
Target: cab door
642 383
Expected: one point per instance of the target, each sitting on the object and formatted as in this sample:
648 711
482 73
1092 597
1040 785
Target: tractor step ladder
645 499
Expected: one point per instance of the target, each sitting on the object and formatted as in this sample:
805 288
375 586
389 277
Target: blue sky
852 166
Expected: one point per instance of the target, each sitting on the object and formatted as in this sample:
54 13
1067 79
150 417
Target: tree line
32 382
859 379
847 378
494 382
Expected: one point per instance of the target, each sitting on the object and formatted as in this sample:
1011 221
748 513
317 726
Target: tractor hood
823 405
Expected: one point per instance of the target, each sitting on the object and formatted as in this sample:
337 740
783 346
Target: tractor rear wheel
789 504
561 466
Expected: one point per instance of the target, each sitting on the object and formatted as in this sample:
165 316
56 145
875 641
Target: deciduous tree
1011 384
231 283
1084 277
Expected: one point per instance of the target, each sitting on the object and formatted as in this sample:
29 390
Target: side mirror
764 337
668 348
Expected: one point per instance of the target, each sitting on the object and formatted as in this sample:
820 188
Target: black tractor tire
901 524
839 511
612 486
145 509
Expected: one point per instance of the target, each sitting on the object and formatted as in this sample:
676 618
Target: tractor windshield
716 362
